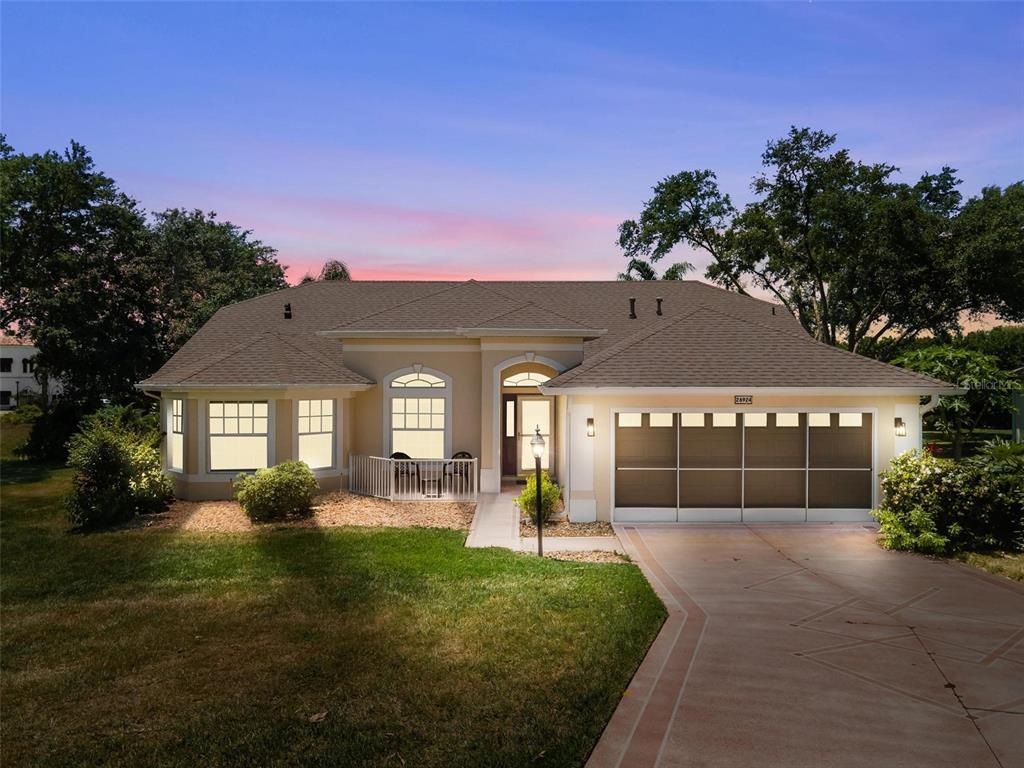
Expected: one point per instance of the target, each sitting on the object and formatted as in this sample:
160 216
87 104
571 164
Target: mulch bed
565 528
594 556
330 509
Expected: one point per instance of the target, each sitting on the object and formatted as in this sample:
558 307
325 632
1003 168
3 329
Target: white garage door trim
742 514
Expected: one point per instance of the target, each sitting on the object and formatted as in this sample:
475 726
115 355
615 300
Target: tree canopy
105 292
854 254
333 269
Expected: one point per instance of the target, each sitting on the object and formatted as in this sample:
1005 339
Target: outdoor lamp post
537 444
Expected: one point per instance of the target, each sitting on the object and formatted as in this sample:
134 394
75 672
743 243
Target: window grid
526 379
418 380
420 413
177 414
316 417
240 417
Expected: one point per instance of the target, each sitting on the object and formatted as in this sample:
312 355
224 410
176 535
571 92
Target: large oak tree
854 254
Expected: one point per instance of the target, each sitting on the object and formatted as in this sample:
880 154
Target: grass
1009 564
167 648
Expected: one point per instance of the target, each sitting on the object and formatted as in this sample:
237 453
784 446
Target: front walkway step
496 522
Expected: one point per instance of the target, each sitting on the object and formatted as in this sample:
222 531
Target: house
658 401
18 372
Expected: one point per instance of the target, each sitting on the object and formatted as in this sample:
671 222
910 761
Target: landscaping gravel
565 528
593 556
330 509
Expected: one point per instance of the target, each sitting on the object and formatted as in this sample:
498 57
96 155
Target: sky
449 141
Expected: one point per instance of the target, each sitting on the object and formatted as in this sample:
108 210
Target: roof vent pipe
659 300
632 308
287 311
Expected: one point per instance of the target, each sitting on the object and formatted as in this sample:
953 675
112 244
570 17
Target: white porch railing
414 479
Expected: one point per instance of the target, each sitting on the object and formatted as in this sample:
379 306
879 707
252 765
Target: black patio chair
405 468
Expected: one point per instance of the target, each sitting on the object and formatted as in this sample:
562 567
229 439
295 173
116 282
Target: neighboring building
18 373
659 401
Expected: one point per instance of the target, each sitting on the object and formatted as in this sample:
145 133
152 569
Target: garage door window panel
774 446
646 446
837 446
710 447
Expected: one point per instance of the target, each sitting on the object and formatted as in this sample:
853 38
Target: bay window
316 433
176 435
238 435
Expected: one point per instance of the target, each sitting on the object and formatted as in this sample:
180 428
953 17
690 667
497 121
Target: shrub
117 476
276 493
937 506
550 495
48 440
25 413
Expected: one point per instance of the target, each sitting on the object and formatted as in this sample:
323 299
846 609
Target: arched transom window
526 379
418 421
417 380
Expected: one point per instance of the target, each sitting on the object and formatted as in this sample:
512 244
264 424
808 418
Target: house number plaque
744 399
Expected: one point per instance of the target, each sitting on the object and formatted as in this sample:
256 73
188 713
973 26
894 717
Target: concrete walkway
496 524
809 646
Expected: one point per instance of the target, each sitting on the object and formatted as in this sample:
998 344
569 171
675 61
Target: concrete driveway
808 645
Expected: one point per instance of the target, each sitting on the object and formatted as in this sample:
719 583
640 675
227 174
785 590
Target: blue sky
451 141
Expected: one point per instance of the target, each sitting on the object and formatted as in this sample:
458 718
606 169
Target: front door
535 411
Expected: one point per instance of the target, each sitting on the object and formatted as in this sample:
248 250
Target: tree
70 242
851 253
639 269
989 389
199 265
335 270
105 295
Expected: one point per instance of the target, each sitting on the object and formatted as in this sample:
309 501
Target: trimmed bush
551 494
941 507
276 493
26 413
118 475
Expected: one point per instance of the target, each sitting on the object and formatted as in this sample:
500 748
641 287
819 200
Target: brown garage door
752 467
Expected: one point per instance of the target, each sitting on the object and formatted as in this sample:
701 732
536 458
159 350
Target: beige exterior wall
598 497
198 482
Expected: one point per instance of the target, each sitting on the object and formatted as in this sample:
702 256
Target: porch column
582 502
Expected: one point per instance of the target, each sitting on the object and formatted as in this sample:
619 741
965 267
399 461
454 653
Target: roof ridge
448 287
338 366
526 304
205 362
807 338
640 335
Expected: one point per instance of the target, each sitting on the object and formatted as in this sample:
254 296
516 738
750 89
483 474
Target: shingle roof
707 348
252 344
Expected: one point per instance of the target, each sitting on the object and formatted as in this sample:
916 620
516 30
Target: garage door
749 467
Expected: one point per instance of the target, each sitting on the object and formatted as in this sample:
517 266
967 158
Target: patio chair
460 470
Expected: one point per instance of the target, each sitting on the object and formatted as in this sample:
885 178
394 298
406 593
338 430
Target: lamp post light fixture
537 446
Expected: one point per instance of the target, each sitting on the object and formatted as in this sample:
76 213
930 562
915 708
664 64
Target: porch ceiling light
901 427
590 428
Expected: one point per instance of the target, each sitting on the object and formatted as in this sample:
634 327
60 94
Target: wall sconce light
590 428
901 427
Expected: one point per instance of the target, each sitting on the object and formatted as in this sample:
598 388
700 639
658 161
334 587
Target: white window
691 419
787 419
755 419
630 419
661 420
526 379
238 435
819 419
850 419
316 433
723 419
419 425
176 436
417 380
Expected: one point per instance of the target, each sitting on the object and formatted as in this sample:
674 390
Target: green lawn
143 648
1006 564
